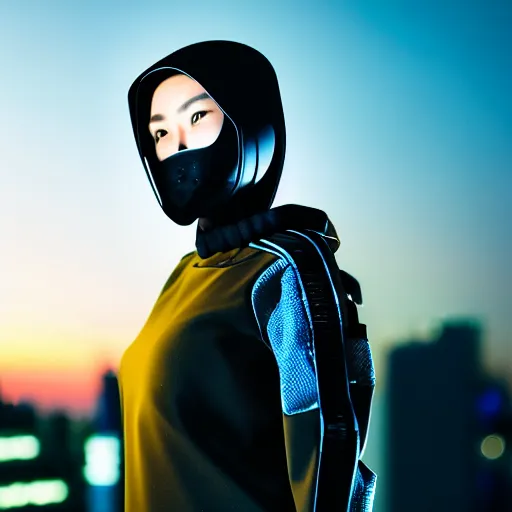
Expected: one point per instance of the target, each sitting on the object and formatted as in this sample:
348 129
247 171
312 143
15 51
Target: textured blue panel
289 334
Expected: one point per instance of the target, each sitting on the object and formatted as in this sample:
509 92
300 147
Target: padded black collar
264 224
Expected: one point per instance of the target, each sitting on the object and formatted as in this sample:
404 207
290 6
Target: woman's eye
159 134
198 116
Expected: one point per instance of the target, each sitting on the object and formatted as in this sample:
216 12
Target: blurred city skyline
409 432
448 427
58 463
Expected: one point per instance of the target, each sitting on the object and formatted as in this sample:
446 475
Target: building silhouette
448 426
104 451
108 409
38 470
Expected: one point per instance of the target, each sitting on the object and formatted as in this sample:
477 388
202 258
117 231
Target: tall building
103 451
443 448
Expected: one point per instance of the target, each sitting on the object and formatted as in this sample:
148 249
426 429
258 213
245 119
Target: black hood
246 162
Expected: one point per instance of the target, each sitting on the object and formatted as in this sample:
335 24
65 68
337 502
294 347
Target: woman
249 387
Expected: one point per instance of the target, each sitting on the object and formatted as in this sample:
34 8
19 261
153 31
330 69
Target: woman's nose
182 137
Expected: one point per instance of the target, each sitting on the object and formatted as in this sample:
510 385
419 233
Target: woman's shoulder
188 256
180 267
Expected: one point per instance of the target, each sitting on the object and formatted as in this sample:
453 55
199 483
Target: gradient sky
399 122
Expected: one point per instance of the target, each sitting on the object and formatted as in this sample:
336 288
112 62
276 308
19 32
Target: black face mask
238 174
193 183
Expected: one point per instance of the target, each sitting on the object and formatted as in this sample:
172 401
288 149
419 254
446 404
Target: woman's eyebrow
202 96
156 117
184 106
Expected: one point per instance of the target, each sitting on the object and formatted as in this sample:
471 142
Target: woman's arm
325 370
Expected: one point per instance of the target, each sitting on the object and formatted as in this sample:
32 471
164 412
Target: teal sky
399 122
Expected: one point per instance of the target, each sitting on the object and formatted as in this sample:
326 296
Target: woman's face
183 116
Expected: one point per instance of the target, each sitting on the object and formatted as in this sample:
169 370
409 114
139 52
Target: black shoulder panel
342 360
